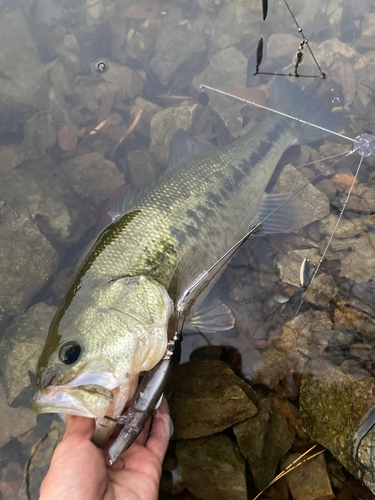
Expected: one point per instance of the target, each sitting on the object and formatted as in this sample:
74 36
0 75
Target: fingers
161 431
79 428
142 438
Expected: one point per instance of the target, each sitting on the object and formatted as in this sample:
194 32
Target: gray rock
368 220
321 291
11 481
10 157
61 78
290 264
368 35
21 346
360 264
47 12
41 456
305 337
347 228
124 79
327 50
14 421
334 405
113 130
165 123
214 469
174 48
142 168
207 398
27 261
263 440
19 59
327 187
16 104
40 191
40 134
93 177
281 47
235 25
227 71
312 204
149 110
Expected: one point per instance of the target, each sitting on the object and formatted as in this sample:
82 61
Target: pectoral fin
277 214
212 316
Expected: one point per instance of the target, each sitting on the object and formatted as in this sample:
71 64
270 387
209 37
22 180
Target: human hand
79 470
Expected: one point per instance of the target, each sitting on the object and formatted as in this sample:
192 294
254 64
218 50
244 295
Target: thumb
79 428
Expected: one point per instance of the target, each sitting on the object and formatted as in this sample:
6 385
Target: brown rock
93 177
356 320
207 398
310 480
321 291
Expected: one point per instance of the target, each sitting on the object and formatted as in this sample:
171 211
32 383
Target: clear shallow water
52 97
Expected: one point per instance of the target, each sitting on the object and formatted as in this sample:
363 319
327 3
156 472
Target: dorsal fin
183 147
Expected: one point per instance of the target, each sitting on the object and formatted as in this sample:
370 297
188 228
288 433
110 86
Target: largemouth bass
113 322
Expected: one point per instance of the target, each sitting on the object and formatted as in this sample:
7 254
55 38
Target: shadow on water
90 97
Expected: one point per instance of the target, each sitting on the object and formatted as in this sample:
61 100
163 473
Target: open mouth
86 401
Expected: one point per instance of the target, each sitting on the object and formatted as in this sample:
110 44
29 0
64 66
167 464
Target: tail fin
289 98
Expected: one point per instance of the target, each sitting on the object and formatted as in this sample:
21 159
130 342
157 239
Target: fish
116 317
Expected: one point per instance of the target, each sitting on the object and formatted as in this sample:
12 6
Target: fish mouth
86 400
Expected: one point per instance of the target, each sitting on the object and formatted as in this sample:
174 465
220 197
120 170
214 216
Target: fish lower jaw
58 400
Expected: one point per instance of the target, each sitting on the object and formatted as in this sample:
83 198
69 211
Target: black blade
265 8
259 55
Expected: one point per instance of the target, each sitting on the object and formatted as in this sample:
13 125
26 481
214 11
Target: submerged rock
149 110
335 405
304 338
142 168
19 57
93 177
214 469
14 421
321 291
312 204
360 264
176 48
357 320
27 261
164 124
20 349
347 228
235 24
263 440
290 264
21 70
207 398
227 71
41 455
10 157
39 190
40 134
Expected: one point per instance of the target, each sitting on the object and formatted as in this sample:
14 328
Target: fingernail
171 428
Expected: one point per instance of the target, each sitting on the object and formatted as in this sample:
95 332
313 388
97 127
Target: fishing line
303 187
266 108
305 42
323 159
335 228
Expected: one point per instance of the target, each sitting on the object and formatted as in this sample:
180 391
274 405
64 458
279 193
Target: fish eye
69 353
